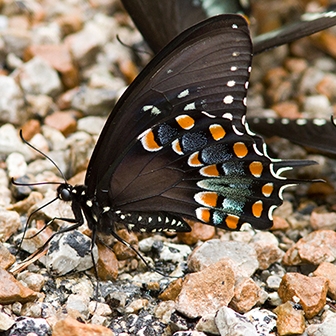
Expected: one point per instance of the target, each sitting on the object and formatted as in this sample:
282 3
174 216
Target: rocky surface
62 71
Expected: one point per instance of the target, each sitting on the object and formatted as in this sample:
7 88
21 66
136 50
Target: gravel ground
62 71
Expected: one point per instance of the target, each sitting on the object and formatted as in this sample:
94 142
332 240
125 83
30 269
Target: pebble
266 247
38 77
107 265
10 223
207 324
318 103
231 323
63 121
30 326
247 294
6 321
172 291
92 125
16 165
326 328
315 248
71 327
6 258
12 290
78 302
321 219
290 321
243 255
164 310
328 270
70 251
11 102
34 281
310 292
199 232
206 291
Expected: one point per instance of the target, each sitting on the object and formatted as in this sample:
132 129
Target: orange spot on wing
240 149
267 189
207 198
257 209
210 171
203 214
185 121
149 143
256 168
231 222
194 161
217 132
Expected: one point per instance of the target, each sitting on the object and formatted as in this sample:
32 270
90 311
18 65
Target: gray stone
11 102
38 77
6 321
326 328
16 165
79 303
230 323
70 251
317 106
16 40
91 125
29 326
242 254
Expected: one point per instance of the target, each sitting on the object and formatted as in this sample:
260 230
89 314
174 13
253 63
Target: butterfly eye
64 193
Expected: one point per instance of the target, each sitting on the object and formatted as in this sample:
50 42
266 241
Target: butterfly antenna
44 155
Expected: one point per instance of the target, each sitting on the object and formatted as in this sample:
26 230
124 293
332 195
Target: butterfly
176 146
160 21
313 133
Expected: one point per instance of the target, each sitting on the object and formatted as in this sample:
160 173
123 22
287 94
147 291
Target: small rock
318 103
10 223
199 231
70 251
59 57
290 321
243 255
326 328
107 265
72 327
63 121
287 110
311 292
321 219
122 251
16 40
328 271
6 321
279 223
229 322
92 125
6 258
16 165
11 102
246 295
172 291
136 305
327 86
12 290
273 281
31 128
189 333
266 246
93 101
164 310
78 302
30 326
39 105
38 77
315 248
34 281
264 321
207 324
24 205
206 291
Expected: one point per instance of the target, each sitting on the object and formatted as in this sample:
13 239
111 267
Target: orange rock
62 121
6 258
287 109
328 271
12 290
30 128
59 57
72 327
206 291
279 223
172 291
199 231
246 295
315 248
107 264
290 321
311 292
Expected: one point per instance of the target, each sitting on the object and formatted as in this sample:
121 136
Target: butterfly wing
176 142
160 21
309 24
319 134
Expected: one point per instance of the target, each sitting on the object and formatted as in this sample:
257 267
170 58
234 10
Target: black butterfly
316 133
160 21
176 145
